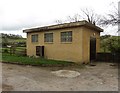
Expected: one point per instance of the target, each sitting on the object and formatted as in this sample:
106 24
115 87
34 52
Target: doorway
40 51
92 48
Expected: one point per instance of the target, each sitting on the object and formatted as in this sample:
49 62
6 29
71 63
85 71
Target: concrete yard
101 77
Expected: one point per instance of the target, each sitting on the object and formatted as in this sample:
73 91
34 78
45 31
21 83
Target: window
48 37
34 38
66 36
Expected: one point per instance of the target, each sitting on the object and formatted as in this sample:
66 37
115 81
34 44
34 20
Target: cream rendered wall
86 42
31 47
57 50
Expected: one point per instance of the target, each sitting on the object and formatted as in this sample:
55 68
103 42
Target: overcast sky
16 15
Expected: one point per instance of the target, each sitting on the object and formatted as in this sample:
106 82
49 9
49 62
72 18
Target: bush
6 51
111 44
114 45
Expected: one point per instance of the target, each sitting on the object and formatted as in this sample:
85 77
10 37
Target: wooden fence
17 51
108 57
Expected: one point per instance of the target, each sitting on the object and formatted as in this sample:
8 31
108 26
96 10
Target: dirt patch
6 87
101 77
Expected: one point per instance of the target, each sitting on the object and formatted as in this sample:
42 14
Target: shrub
6 51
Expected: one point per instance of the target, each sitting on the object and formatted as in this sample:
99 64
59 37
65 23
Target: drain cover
66 73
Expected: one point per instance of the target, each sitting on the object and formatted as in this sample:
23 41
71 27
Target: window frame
66 37
48 39
34 38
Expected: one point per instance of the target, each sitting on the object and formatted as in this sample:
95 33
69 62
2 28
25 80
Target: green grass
31 61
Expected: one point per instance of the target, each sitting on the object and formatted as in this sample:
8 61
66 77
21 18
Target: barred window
66 36
34 38
48 37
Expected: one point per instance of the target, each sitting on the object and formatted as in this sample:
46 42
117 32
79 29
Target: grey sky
16 15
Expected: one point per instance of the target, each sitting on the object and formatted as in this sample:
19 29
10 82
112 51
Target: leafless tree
90 16
112 18
74 18
85 14
59 21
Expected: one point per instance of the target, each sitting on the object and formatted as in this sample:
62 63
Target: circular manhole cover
66 73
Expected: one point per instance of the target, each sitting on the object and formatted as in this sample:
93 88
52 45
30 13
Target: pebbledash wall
76 51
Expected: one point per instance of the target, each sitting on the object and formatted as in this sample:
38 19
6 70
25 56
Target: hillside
9 39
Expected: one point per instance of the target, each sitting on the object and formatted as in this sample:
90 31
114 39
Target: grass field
16 40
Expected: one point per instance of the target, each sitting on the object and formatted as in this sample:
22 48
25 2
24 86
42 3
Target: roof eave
65 25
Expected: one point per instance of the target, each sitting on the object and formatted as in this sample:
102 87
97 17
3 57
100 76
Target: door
40 51
92 48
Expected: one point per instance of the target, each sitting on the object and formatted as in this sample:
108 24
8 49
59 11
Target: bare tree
59 21
112 18
85 14
90 16
74 18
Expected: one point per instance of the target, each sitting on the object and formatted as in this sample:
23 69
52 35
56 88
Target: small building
77 41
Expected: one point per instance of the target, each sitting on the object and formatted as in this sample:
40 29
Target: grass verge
24 60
